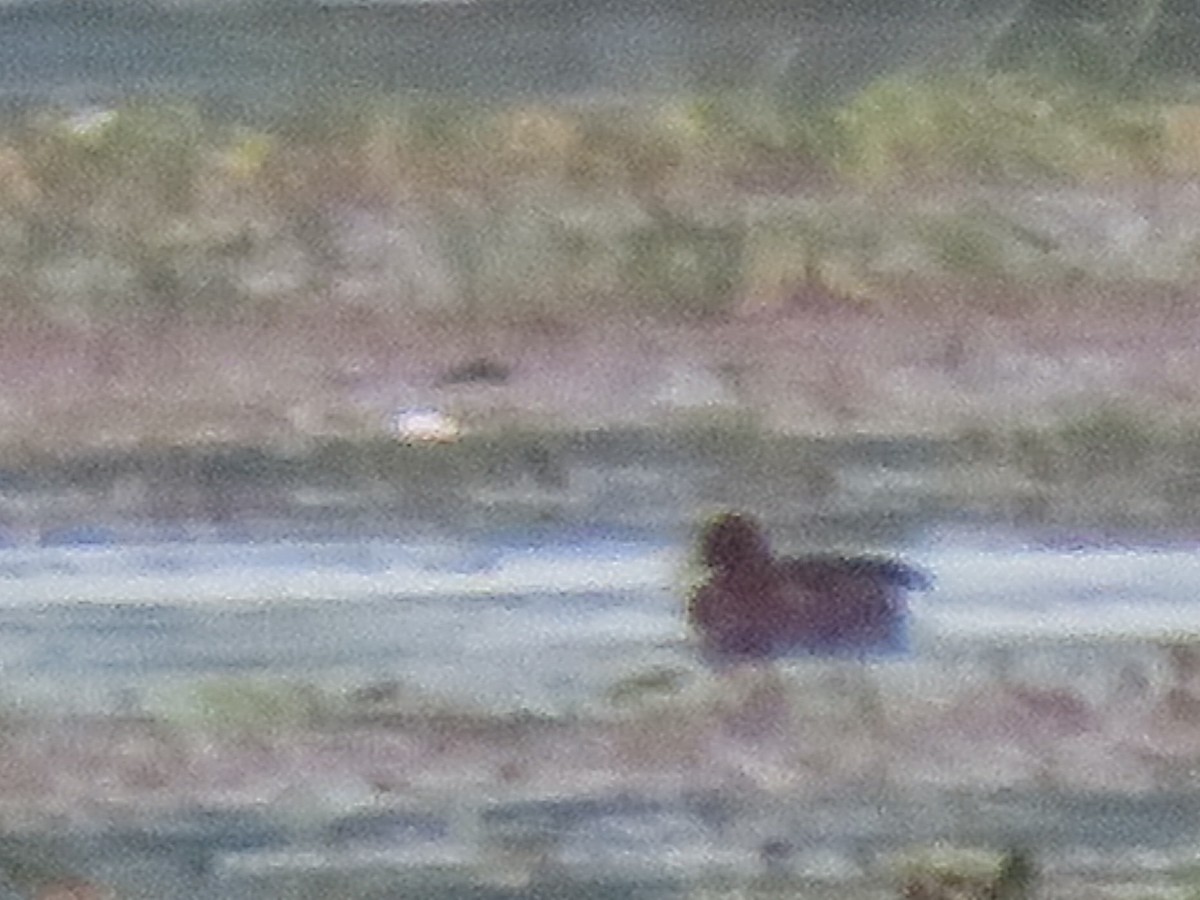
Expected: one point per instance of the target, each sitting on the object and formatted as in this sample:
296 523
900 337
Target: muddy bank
927 358
1107 475
1012 402
824 731
717 788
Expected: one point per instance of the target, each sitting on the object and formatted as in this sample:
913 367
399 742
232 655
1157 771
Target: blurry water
551 620
548 624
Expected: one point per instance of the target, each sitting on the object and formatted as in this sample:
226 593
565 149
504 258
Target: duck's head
731 541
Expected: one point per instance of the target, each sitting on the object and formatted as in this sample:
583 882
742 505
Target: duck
754 605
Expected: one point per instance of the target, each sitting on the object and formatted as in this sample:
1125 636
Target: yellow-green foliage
534 207
1181 136
828 252
245 154
739 126
942 872
629 150
999 127
143 154
536 141
247 707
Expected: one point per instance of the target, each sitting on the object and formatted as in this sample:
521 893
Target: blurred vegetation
154 211
1001 128
248 708
948 873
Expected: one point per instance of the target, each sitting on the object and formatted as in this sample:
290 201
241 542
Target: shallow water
512 622
551 620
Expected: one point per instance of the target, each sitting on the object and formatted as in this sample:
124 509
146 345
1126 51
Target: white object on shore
89 122
425 425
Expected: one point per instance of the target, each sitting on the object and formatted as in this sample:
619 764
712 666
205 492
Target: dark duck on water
755 606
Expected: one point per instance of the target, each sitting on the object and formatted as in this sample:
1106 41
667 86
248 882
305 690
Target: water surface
507 622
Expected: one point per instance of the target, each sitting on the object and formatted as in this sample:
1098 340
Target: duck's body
757 606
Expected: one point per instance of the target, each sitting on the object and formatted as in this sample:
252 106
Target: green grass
943 872
1000 128
247 708
154 210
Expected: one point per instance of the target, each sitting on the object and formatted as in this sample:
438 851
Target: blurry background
276 224
365 369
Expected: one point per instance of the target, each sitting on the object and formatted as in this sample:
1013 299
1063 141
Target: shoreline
924 363
404 794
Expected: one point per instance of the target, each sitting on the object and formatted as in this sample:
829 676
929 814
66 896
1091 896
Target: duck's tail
898 573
